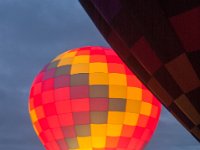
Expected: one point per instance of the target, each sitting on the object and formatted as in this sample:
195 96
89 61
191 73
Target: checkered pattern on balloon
87 98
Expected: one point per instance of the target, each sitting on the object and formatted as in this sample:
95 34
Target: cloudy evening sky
32 32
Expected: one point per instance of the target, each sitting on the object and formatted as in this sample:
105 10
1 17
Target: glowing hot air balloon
86 98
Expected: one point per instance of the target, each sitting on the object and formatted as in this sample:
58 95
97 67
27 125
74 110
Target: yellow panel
133 106
115 117
69 54
33 116
58 57
98 142
98 78
84 142
98 129
98 67
65 61
117 91
65 55
79 68
134 93
146 108
114 129
81 59
131 119
117 79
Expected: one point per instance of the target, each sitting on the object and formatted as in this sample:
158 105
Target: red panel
154 111
62 94
138 132
57 133
112 142
63 107
143 120
66 119
37 88
49 136
147 134
97 51
40 112
83 52
151 124
147 96
37 100
128 71
123 142
113 59
80 105
48 97
132 80
52 146
53 121
48 84
114 68
98 58
127 131
50 109
44 137
133 143
43 124
109 52
140 145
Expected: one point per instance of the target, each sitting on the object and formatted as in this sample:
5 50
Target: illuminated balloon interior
88 99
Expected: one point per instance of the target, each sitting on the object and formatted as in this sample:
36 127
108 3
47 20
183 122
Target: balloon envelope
87 98
159 41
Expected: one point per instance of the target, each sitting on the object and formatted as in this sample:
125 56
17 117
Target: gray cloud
32 32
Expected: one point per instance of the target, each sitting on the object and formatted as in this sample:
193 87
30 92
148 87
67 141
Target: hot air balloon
159 41
87 98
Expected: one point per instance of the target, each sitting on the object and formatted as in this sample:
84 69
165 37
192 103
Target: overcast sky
32 32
